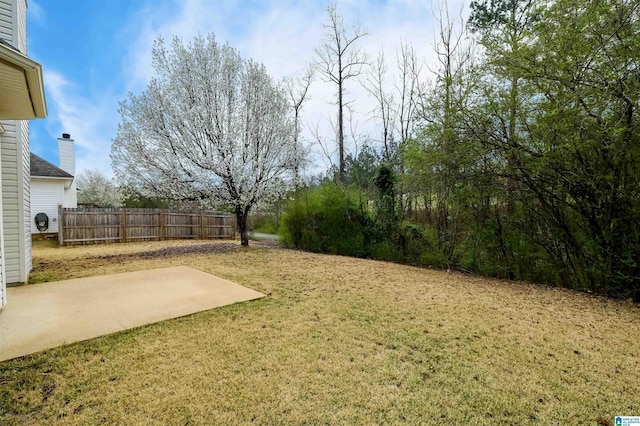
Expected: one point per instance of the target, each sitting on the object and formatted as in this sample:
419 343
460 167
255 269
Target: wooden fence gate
119 225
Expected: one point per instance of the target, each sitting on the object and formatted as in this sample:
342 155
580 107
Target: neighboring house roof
42 168
21 86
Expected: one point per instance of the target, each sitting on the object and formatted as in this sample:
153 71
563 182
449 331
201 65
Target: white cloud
36 12
91 124
185 19
282 34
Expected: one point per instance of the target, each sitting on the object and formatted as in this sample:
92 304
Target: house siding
14 161
46 195
25 228
20 39
6 19
25 167
3 283
11 204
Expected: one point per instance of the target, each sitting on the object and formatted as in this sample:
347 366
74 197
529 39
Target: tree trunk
241 218
342 172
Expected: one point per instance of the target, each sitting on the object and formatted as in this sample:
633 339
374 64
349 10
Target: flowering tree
97 189
211 127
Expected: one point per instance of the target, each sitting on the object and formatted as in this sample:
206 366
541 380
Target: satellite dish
42 222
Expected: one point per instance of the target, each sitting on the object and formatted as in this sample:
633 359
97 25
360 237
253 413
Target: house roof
6 43
42 168
21 86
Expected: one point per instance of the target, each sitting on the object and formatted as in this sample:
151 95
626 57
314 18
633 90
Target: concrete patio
43 316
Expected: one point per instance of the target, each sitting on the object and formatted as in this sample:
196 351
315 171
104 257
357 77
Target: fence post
202 233
60 225
123 226
161 221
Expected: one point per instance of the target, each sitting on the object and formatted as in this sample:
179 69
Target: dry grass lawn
337 340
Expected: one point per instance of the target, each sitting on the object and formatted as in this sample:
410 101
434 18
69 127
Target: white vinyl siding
6 19
16 200
25 227
21 21
26 199
46 195
13 23
15 238
11 205
3 282
14 161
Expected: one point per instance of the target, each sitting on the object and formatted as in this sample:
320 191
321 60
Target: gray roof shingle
42 168
6 43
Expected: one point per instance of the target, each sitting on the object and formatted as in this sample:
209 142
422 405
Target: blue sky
94 52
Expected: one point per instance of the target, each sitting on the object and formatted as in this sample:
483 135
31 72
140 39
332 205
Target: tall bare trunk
343 176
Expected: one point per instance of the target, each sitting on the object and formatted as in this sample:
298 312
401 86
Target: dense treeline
524 162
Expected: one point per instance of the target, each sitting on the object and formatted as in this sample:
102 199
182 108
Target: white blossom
95 189
211 127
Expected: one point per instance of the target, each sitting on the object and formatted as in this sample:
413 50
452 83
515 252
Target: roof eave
34 79
52 177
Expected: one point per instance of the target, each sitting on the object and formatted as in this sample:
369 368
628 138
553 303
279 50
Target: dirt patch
174 251
143 250
58 263
213 248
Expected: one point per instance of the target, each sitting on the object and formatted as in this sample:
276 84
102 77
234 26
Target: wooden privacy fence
92 225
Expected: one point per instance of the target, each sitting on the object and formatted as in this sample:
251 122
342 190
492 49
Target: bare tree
374 83
455 60
211 127
339 60
395 109
410 89
297 88
327 153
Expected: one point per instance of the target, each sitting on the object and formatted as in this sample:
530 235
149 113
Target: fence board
94 226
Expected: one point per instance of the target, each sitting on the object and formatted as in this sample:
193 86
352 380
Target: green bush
265 223
326 220
387 251
424 248
329 219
